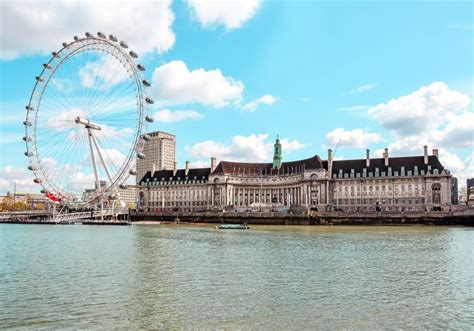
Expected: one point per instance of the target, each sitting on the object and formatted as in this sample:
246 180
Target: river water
268 277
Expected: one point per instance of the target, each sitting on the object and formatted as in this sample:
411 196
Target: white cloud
252 148
101 76
424 110
289 146
435 116
173 83
231 14
362 88
10 175
38 27
355 138
8 138
459 131
62 84
462 169
65 120
166 115
267 99
200 164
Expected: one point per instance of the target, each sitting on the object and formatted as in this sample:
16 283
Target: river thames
340 277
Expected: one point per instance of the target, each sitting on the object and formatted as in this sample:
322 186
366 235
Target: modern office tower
160 154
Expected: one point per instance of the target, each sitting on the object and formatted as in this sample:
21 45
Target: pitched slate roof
256 169
193 173
396 163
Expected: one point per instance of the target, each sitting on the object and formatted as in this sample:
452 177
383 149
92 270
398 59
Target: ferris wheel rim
69 50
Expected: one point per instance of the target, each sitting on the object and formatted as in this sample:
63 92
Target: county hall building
414 183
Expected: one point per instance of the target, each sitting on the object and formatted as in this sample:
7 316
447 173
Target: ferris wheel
86 119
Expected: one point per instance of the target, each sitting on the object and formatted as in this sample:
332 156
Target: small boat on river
233 226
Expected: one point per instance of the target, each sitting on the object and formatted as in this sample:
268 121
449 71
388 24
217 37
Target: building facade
395 184
470 192
454 191
175 190
160 153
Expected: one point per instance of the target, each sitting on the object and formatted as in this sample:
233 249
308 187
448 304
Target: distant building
29 200
415 183
470 192
128 195
160 154
469 183
454 191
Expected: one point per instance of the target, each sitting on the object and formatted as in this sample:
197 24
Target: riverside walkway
462 216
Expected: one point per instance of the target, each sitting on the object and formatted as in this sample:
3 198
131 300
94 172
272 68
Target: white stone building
415 183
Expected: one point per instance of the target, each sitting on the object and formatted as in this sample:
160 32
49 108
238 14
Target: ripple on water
264 278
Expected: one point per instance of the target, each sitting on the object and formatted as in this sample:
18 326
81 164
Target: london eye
86 119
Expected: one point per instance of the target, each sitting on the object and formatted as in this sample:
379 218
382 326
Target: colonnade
241 195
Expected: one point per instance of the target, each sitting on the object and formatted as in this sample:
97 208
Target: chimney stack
385 156
435 152
367 158
425 154
213 164
174 169
186 170
330 163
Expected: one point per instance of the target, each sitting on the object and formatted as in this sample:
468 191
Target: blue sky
327 72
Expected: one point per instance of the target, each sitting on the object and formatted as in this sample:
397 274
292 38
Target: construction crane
337 146
333 155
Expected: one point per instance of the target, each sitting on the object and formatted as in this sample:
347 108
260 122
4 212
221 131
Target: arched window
436 193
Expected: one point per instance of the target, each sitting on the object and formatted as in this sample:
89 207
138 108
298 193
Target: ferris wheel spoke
92 90
108 99
115 110
118 111
101 84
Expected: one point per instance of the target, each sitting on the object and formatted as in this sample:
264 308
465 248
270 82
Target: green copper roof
277 159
